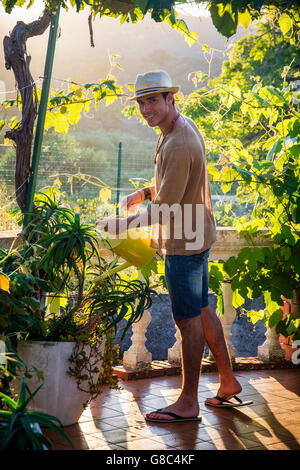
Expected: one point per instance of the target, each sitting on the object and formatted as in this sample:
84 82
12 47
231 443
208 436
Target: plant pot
59 395
289 307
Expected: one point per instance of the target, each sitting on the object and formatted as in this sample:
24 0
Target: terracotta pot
289 307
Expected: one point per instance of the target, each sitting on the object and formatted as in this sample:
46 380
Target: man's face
155 108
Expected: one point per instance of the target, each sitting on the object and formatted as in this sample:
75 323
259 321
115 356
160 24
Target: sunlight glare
193 9
24 14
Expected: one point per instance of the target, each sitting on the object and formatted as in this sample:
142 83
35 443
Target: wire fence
82 182
92 186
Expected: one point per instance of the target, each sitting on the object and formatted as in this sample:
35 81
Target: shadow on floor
115 420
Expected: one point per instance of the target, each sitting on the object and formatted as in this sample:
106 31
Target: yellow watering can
133 246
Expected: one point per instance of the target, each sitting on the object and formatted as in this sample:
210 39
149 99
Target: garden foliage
251 115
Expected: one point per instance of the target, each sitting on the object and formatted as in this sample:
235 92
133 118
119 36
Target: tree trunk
16 57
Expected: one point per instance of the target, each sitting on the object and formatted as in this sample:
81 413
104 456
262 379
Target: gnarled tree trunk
17 59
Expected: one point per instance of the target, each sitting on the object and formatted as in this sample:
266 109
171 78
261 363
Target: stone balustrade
228 243
7 237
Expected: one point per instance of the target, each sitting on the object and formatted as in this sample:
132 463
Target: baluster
137 356
228 318
174 353
271 350
3 361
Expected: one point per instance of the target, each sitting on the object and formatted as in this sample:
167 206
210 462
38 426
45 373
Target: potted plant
57 303
269 178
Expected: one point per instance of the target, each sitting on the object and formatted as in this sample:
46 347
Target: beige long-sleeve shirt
181 180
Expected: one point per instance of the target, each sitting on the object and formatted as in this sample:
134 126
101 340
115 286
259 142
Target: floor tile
155 430
262 409
115 419
93 426
174 433
104 412
108 446
156 402
233 443
175 440
87 442
291 405
145 444
239 427
124 421
285 394
115 436
289 445
199 445
265 438
285 430
272 397
288 417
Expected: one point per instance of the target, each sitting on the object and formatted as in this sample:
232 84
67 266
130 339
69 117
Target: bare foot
226 390
181 408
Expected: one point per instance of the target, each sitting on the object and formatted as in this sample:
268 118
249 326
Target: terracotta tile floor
115 420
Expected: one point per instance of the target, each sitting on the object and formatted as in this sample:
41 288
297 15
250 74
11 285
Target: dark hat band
150 90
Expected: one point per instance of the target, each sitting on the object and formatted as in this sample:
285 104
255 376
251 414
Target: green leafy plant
20 429
55 291
250 118
271 182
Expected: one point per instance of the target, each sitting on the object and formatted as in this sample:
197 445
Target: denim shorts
187 282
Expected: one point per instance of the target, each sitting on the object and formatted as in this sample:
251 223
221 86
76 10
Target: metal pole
119 178
41 115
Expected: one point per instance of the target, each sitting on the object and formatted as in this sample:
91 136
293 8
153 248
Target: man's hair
165 94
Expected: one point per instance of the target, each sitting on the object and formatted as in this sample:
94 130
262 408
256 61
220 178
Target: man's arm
118 225
149 193
175 173
144 194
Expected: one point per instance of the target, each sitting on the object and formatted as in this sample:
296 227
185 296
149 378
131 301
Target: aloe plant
60 266
20 428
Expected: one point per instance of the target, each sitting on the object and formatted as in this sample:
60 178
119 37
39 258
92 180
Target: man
181 184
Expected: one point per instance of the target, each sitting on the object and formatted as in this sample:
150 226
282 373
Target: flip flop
176 418
229 404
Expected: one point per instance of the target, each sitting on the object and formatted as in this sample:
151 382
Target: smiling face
155 108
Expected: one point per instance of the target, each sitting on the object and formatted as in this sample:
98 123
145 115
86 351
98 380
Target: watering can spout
122 266
133 246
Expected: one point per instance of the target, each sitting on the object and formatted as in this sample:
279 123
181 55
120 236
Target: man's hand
129 202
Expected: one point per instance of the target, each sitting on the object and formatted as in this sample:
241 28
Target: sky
32 13
194 9
19 13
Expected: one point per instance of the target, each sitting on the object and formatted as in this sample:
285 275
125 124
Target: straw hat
153 82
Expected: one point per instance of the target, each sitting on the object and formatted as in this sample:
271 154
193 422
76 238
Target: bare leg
214 336
192 347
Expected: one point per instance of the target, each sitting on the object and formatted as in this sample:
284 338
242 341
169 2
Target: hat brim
173 89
